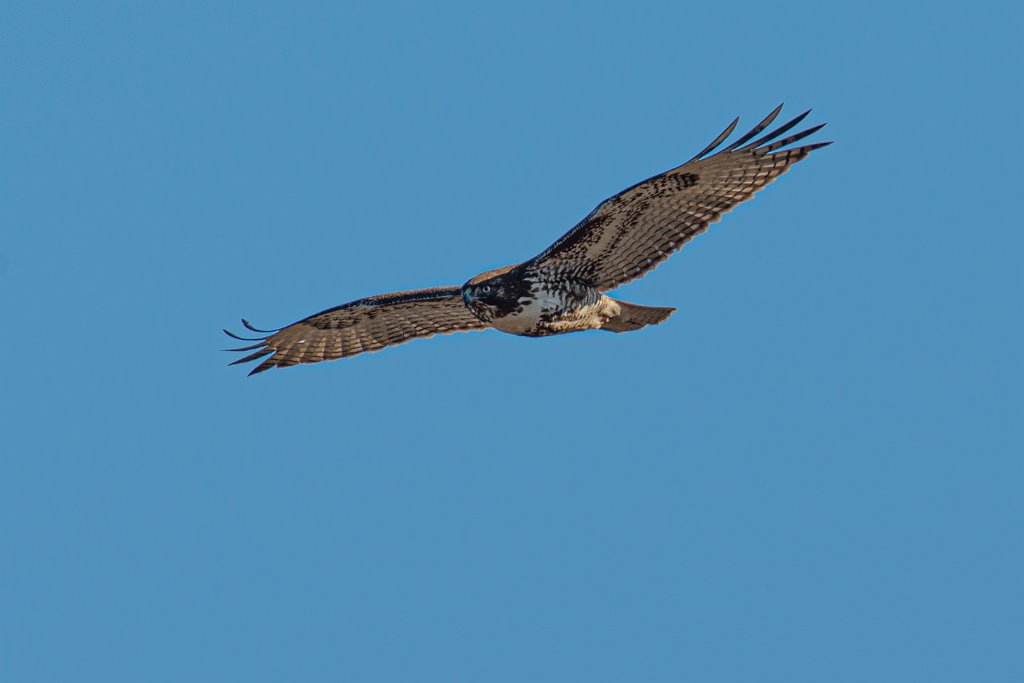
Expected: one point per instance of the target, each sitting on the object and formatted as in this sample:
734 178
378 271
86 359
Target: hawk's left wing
363 325
632 232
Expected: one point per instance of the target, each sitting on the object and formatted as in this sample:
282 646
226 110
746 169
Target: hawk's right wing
363 325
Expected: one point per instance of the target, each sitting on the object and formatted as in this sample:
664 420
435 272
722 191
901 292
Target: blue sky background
812 472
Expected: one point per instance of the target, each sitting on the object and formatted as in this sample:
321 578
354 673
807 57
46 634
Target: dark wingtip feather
249 326
718 140
775 133
778 144
818 145
235 336
767 121
247 348
263 367
253 356
795 154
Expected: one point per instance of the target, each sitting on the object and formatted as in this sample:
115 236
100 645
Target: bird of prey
563 288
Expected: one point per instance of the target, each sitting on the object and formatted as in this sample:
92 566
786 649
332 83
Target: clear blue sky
812 472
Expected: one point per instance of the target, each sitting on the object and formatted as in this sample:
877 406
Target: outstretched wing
632 232
363 325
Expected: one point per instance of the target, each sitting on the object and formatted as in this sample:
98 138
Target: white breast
537 314
527 320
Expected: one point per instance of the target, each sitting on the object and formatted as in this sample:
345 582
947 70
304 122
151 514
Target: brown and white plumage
363 325
561 289
629 234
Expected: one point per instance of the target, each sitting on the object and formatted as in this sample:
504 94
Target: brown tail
633 317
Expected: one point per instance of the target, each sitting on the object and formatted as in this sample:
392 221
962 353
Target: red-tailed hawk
562 289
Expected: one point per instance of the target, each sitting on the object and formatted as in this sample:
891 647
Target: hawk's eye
485 289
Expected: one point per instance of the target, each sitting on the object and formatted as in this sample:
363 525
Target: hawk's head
494 294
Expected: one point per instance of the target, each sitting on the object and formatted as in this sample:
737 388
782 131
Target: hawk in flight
563 288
